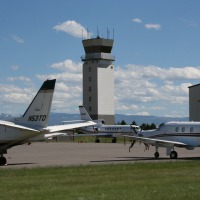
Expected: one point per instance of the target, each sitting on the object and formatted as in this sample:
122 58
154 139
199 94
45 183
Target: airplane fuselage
185 132
110 129
11 135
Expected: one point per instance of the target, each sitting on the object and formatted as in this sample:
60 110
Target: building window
90 79
89 69
183 129
90 89
90 108
90 99
191 129
177 129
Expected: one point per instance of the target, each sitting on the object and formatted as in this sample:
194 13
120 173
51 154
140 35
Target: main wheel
3 160
97 140
173 155
114 140
156 154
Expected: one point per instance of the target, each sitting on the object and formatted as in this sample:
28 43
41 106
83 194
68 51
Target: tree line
144 126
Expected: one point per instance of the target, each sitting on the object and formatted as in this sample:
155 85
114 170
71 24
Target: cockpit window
160 126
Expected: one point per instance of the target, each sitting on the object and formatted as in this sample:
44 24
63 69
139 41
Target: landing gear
173 155
156 154
114 140
169 151
97 140
3 160
133 142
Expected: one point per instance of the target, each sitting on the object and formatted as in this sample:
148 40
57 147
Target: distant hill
140 119
57 118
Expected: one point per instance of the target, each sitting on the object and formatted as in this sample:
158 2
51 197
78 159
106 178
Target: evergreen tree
123 122
134 123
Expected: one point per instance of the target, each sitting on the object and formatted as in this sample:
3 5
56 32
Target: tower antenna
108 33
97 31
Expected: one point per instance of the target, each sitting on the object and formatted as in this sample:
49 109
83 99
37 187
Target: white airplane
33 125
170 135
102 130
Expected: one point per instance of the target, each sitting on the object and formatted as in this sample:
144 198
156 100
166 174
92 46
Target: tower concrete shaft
98 79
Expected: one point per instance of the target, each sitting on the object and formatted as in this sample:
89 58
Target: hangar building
98 79
194 102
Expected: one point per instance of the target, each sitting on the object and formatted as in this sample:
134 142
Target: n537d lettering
37 118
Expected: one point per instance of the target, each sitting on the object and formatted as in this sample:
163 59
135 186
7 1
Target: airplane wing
56 128
50 135
154 141
13 125
94 134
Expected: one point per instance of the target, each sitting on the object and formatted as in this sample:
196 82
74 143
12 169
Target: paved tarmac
43 154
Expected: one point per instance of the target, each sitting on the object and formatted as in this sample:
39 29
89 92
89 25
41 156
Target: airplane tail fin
86 117
84 114
37 114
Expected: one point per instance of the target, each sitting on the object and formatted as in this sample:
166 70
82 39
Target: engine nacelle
190 147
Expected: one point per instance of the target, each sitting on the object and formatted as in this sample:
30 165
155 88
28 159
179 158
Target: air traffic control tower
98 79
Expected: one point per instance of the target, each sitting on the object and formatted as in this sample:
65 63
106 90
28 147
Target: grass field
163 180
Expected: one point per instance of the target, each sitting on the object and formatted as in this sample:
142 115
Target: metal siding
194 103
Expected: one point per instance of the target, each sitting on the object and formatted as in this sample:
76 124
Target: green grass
163 180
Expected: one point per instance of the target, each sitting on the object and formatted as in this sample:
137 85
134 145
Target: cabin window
183 129
191 129
177 129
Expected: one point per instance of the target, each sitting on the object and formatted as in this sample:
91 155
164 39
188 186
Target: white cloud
143 113
17 39
150 90
68 65
13 99
153 26
188 22
137 20
20 78
68 90
73 28
72 72
15 67
152 87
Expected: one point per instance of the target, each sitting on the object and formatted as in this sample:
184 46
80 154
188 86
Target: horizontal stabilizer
13 125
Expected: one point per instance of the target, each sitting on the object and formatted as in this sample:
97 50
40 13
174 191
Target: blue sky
156 47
